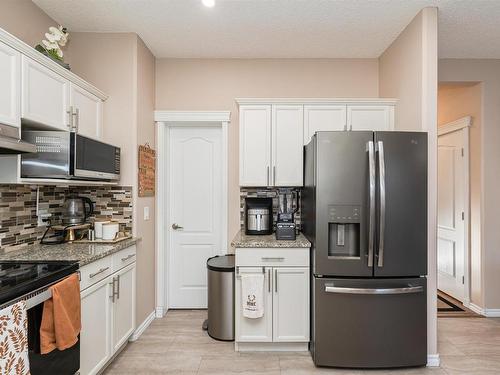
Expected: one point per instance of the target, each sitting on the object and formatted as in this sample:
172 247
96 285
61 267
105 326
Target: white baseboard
144 325
271 346
160 312
433 360
489 313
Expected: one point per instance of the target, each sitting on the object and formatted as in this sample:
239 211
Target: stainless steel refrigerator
364 209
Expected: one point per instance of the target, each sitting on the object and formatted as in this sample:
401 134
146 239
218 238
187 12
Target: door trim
462 125
164 121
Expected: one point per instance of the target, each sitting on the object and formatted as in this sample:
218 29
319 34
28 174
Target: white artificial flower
49 45
52 38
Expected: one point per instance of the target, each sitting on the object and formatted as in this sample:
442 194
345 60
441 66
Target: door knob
175 226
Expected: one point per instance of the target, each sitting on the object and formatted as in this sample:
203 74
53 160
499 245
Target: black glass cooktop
18 278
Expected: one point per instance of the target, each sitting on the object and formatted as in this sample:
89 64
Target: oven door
93 159
61 362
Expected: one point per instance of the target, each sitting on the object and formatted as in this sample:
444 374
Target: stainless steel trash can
220 273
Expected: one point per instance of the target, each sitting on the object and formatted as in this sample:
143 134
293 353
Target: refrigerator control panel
344 213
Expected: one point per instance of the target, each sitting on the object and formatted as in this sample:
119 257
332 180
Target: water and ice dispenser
344 231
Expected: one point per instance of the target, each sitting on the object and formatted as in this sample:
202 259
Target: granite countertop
243 240
83 253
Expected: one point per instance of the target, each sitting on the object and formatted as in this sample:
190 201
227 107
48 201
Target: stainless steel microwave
67 155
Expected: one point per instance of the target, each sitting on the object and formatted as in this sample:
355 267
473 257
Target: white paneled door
195 217
451 211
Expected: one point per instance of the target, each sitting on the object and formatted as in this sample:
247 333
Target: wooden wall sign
147 171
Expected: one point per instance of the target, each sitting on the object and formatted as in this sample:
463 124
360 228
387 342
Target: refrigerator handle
345 290
371 224
381 167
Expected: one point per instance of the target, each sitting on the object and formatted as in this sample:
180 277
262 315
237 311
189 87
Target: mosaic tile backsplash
269 193
19 221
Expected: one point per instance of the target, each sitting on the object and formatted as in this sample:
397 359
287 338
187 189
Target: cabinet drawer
291 257
96 271
124 258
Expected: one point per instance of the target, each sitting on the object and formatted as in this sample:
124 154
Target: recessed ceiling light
208 3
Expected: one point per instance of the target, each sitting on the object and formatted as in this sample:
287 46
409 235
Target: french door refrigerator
364 209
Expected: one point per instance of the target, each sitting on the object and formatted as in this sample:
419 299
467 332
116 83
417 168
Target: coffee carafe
76 210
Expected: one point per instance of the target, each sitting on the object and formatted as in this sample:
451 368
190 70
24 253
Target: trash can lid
221 263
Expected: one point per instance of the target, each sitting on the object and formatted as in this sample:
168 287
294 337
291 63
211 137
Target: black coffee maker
285 224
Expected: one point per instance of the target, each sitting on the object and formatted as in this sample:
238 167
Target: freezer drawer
370 323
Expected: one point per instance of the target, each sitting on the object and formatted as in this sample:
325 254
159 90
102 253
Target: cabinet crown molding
30 52
316 101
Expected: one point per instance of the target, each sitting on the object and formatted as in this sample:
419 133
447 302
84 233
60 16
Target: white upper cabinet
10 86
45 96
287 140
86 111
274 131
323 118
255 145
370 117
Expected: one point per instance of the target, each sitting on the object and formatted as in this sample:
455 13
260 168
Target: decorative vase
43 51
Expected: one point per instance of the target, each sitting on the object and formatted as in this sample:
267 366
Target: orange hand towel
61 319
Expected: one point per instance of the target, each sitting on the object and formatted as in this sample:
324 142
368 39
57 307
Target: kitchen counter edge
241 240
83 253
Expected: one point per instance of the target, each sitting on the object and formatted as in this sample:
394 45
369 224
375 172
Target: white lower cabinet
108 312
95 337
291 304
124 306
286 299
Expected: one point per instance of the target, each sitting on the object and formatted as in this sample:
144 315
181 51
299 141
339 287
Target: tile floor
177 345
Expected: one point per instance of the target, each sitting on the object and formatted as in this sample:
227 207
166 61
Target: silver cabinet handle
371 223
404 290
98 272
112 296
272 259
128 257
381 177
69 112
268 172
269 280
175 226
118 287
276 280
76 115
274 175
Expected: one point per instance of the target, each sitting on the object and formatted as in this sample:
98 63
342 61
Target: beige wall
487 72
454 102
122 66
145 100
213 84
408 71
23 19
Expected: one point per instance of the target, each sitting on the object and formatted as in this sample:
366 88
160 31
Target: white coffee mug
98 227
109 230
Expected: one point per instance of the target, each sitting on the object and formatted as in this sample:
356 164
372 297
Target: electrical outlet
146 213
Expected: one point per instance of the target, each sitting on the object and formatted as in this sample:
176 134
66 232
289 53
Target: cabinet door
124 306
255 145
291 304
370 117
323 118
45 95
10 86
287 145
87 112
95 337
255 330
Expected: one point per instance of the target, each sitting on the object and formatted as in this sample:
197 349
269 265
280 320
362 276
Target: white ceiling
283 28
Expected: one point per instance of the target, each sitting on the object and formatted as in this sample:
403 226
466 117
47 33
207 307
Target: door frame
462 125
164 121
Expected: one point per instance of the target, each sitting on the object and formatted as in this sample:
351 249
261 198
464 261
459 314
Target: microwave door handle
381 168
371 221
